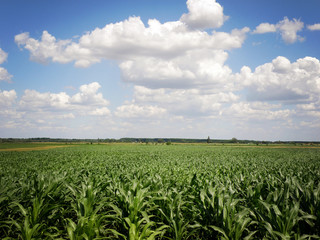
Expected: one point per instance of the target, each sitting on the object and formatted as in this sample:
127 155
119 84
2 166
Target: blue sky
191 69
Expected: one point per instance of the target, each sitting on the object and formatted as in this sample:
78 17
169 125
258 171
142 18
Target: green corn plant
283 222
143 229
221 213
310 202
173 209
90 223
42 211
136 203
29 227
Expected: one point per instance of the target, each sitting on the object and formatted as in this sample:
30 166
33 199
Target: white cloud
3 56
311 112
257 111
281 65
7 98
4 75
22 38
314 27
204 14
168 49
185 102
314 114
47 48
307 124
143 112
53 113
128 39
82 102
66 116
265 28
309 107
282 80
288 29
88 95
7 106
104 111
11 114
201 68
34 101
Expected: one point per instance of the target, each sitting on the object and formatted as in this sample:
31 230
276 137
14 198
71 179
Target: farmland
139 191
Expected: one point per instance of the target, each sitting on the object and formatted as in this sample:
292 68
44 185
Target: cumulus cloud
3 56
201 68
7 106
283 80
168 49
47 48
4 75
204 14
127 39
140 111
86 99
88 95
265 28
104 111
314 106
257 111
54 112
314 27
7 98
34 100
184 102
288 29
308 111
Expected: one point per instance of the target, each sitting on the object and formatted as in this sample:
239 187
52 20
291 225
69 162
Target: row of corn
160 192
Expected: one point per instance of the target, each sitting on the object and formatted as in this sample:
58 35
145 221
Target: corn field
160 192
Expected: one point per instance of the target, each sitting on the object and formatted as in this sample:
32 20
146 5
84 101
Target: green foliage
234 140
157 192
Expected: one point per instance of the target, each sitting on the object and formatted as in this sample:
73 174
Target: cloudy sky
160 68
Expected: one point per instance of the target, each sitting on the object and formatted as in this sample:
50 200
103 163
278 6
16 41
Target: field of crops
160 192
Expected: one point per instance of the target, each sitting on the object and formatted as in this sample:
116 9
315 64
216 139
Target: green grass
160 192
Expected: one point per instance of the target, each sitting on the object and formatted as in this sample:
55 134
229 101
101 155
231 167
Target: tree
234 140
208 140
160 140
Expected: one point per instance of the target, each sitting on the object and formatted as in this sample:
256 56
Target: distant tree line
151 140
